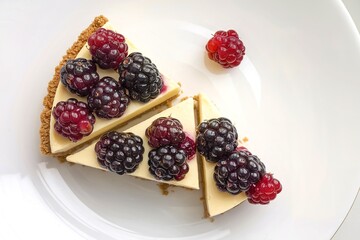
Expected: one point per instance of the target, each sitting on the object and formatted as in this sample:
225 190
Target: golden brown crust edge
53 84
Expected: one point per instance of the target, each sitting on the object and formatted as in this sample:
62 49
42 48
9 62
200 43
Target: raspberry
120 152
140 77
107 48
216 139
188 145
73 119
168 163
226 48
165 131
265 190
79 76
107 99
238 172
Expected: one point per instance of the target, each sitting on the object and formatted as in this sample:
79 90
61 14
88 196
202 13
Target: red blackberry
238 172
226 48
73 119
188 145
79 76
119 152
107 48
165 131
140 77
107 99
216 139
264 190
168 163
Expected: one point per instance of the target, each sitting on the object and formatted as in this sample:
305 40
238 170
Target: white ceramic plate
295 96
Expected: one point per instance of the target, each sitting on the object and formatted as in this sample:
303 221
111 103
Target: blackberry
164 131
107 48
226 48
188 145
216 139
107 99
140 77
79 76
168 163
73 119
120 152
238 172
264 190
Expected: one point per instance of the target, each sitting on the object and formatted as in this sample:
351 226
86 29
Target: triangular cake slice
184 112
53 143
216 202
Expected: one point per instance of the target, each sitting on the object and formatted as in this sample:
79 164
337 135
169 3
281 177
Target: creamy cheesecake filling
60 144
183 111
217 202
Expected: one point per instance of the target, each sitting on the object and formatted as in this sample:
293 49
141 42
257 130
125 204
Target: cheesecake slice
53 143
184 112
216 202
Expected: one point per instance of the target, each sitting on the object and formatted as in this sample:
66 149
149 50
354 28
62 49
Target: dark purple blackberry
73 119
165 131
79 76
216 139
140 77
238 172
168 163
107 99
119 152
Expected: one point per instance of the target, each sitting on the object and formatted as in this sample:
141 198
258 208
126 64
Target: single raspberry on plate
238 172
73 119
165 131
168 163
107 99
216 139
264 190
226 48
107 48
188 145
120 152
140 77
79 76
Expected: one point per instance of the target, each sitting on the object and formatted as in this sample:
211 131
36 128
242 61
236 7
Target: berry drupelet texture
73 119
120 152
226 48
238 172
168 163
107 48
264 190
140 77
216 139
165 131
79 76
107 99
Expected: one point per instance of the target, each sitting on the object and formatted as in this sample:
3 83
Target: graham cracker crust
53 84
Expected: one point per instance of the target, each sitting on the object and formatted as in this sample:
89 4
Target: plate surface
295 96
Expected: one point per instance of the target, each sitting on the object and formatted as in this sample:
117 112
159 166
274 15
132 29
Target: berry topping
107 48
238 172
226 48
107 99
140 77
188 145
264 190
73 119
216 139
165 131
168 163
79 76
119 152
